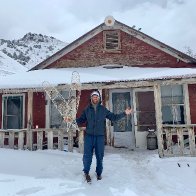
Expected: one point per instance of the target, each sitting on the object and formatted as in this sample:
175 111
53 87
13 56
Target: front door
144 118
122 129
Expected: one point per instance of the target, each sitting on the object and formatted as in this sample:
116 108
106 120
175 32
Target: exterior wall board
39 110
192 100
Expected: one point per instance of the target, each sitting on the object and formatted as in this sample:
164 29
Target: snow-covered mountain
31 49
9 66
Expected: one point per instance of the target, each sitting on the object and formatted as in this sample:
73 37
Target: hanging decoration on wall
66 107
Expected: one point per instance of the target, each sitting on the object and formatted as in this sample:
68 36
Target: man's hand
128 111
67 119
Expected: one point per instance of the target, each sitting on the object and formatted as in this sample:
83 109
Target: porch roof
113 73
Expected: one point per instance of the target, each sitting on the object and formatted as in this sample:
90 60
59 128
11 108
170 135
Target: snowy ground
126 173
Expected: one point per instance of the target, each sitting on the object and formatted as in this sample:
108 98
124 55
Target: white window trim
14 95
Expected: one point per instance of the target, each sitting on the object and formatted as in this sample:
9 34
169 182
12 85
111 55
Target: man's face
95 99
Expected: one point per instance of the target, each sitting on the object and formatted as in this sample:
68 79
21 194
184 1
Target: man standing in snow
94 116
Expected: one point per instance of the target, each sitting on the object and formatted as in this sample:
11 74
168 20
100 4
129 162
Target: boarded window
13 112
112 40
172 104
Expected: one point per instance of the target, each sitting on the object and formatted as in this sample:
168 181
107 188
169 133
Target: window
112 40
172 104
13 117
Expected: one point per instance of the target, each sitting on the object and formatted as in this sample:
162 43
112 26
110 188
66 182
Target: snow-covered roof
34 79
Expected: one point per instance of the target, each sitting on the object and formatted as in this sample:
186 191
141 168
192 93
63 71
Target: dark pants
92 142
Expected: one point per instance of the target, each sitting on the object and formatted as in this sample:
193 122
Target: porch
176 140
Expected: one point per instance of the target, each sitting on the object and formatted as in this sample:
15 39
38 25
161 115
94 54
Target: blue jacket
95 121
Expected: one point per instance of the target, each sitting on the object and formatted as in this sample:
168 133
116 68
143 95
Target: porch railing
178 140
38 139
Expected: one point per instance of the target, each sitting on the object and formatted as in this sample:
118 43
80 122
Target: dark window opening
112 40
13 112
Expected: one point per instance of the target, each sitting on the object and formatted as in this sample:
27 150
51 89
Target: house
129 68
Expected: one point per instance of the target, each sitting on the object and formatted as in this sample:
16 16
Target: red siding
192 99
39 110
26 112
134 52
84 101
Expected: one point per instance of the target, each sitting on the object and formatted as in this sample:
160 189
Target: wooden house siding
192 100
134 52
39 111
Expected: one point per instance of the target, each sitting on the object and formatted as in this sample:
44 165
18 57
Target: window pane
14 122
173 114
166 91
177 90
166 100
167 115
178 100
177 93
13 112
13 105
178 114
120 102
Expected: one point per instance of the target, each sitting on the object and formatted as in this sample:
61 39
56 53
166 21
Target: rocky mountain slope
30 50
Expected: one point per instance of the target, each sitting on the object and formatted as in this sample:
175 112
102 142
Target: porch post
70 140
157 100
29 141
108 131
2 138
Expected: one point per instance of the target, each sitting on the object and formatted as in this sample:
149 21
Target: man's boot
88 178
99 177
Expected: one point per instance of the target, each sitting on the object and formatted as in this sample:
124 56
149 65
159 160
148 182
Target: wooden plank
70 140
158 115
40 140
60 140
192 141
21 140
30 121
180 140
108 127
29 137
11 139
187 104
169 141
50 139
81 140
2 137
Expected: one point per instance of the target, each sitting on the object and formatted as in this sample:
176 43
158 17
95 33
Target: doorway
123 135
144 117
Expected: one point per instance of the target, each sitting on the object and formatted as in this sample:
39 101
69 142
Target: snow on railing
178 140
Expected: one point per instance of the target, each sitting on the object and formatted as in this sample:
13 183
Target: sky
170 21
